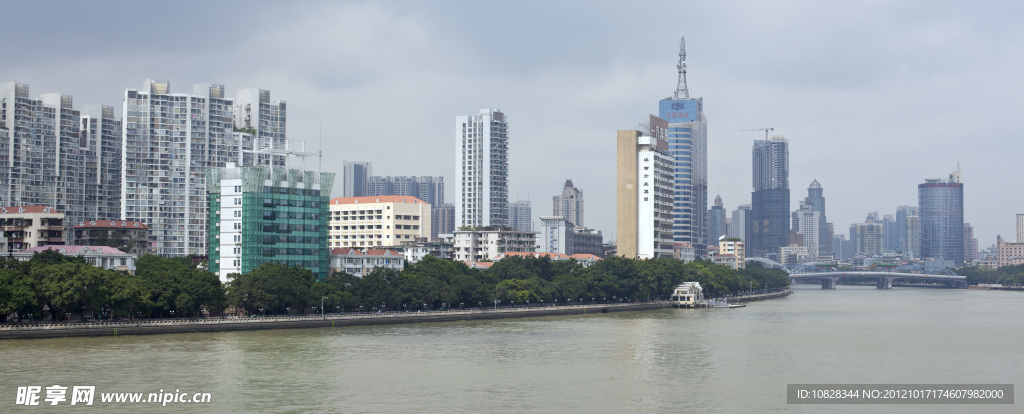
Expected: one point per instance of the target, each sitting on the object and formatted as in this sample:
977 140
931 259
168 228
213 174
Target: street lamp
322 314
495 306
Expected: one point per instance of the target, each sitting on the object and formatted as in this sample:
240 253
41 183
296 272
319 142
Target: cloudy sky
874 96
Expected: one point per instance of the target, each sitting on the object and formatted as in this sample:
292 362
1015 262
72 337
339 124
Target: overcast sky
873 96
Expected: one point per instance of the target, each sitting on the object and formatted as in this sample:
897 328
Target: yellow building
378 221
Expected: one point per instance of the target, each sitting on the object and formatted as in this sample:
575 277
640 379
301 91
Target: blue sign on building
678 111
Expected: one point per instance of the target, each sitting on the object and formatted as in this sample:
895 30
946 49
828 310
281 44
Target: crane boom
766 130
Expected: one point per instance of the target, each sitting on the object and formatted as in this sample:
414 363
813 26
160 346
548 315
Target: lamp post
322 314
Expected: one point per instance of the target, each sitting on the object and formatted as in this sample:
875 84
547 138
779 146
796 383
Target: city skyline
574 94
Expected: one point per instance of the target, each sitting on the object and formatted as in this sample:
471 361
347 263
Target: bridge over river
883 279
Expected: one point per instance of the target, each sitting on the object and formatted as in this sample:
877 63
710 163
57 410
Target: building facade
360 263
99 256
128 236
941 210
556 235
261 214
569 204
644 180
740 222
266 121
816 199
428 189
807 221
770 200
378 221
489 243
32 226
688 148
442 220
481 171
587 241
717 222
869 238
1009 253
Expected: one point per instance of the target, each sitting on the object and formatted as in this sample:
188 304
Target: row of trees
1006 275
435 283
52 286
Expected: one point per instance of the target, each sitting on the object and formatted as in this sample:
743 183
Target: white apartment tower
481 171
569 204
808 225
170 140
265 120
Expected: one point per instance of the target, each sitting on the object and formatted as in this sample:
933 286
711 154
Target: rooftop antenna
320 152
682 92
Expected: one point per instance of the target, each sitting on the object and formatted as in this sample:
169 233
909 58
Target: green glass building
262 214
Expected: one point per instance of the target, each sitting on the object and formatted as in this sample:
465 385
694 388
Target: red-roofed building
101 256
32 226
360 263
584 259
129 236
378 221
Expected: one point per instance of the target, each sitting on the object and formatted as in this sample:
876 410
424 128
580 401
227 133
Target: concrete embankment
246 324
761 296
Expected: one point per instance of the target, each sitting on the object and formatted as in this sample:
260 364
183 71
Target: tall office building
687 140
261 214
741 222
941 210
816 199
913 237
868 237
770 216
1020 228
520 215
717 222
891 237
357 175
442 220
643 196
569 204
170 140
481 171
50 156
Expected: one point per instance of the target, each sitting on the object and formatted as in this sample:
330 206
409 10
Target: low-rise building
378 221
1009 253
361 263
586 260
100 256
32 226
440 248
128 236
734 247
488 243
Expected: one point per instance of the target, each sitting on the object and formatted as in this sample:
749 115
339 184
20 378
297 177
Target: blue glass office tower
940 206
688 148
770 215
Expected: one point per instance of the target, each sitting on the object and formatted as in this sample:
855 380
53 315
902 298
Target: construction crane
766 130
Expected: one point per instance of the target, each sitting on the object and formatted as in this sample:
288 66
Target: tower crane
766 130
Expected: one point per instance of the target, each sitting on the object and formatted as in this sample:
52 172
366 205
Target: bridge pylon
885 283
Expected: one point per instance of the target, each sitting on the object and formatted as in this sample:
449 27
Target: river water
672 360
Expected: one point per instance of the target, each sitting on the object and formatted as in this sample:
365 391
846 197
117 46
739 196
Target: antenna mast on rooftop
682 92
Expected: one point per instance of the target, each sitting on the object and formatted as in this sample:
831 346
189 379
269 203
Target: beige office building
378 221
644 196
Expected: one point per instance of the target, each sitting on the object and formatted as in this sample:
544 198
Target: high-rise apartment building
868 238
50 154
428 189
1020 228
261 214
913 236
266 121
442 220
170 140
770 214
970 244
481 171
643 196
902 212
520 215
717 222
941 211
569 204
356 178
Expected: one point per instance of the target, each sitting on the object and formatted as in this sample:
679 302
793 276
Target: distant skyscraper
970 244
428 189
741 222
520 215
569 204
170 140
770 215
891 237
816 199
1020 228
357 174
808 221
869 237
914 236
941 208
902 212
443 220
643 196
481 171
256 114
716 222
688 147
